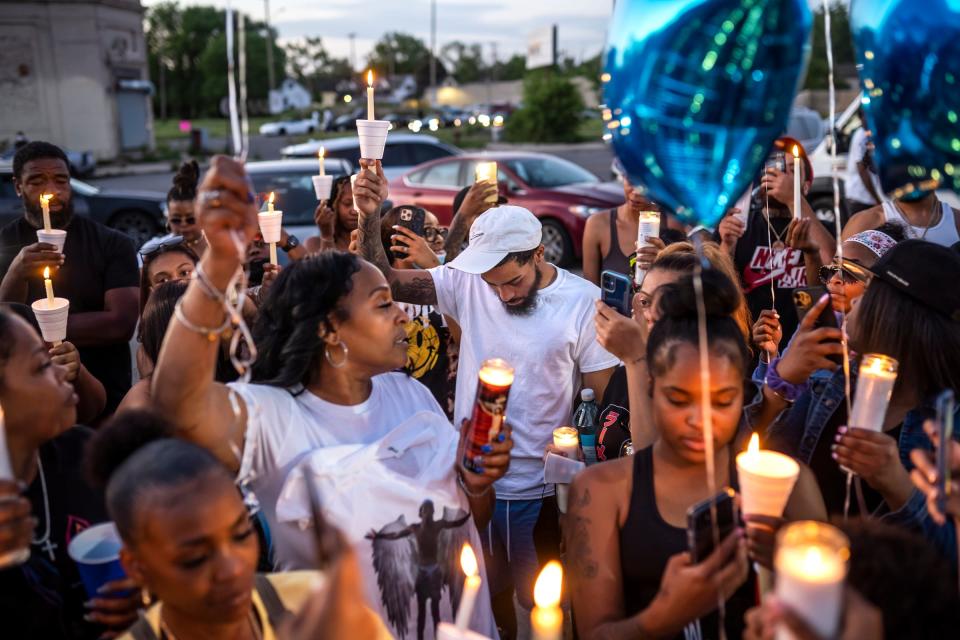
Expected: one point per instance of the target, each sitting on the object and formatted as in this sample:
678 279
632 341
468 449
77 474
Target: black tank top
615 260
646 543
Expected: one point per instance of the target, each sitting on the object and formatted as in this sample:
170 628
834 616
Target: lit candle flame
321 153
271 198
796 151
45 198
468 560
546 592
46 273
754 447
370 78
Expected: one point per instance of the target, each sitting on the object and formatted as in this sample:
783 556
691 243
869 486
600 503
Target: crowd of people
282 448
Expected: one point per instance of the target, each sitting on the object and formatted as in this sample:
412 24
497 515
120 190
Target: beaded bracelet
200 277
210 334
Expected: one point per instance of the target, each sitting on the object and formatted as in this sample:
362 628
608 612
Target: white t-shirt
854 187
548 349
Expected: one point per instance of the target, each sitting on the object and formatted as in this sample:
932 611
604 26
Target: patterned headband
877 241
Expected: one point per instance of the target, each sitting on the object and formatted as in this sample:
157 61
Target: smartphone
804 299
700 538
412 218
945 408
616 290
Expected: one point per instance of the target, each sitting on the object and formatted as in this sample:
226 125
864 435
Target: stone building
74 72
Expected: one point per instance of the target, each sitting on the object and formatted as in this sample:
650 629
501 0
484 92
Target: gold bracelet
210 334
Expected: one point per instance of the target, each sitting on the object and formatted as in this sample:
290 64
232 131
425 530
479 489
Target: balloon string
707 408
242 60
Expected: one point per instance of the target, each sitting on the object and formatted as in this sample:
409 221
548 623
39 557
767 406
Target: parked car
291 181
403 151
348 121
562 194
139 214
291 127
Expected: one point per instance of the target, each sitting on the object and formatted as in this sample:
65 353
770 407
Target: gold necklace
934 218
255 630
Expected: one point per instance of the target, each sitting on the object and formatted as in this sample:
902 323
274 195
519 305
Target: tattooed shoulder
415 290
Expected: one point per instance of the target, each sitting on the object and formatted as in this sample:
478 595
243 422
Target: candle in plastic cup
96 550
17 556
568 441
52 318
811 565
322 186
373 138
878 373
766 480
56 237
487 172
489 409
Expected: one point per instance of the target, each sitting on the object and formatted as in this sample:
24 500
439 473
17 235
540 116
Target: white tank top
944 233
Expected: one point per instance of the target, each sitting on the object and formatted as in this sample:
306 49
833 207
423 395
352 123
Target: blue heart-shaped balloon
698 91
909 52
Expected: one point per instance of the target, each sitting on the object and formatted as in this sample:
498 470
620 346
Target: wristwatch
788 391
292 243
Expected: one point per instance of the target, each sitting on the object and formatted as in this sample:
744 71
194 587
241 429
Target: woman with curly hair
181 199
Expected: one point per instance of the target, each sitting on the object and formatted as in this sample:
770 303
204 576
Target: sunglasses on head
850 272
188 220
159 245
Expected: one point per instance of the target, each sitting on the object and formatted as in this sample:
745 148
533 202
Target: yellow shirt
293 588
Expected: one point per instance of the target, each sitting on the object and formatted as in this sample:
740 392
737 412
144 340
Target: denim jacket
797 430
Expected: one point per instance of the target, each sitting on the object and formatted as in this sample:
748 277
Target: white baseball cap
495 234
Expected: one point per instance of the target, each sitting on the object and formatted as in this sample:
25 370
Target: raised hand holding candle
45 208
546 619
271 223
370 95
471 586
796 182
878 374
648 227
811 565
766 480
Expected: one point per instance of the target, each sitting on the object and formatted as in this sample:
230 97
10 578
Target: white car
291 127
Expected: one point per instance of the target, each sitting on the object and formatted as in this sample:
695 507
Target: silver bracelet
211 334
470 494
200 277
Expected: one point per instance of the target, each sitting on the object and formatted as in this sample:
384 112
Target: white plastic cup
766 482
270 225
373 138
322 186
52 318
55 237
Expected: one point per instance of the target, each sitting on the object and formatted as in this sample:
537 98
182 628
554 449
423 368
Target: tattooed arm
369 192
474 204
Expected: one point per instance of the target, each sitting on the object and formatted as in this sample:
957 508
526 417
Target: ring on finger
211 198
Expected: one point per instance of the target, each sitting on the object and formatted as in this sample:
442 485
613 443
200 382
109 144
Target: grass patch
590 130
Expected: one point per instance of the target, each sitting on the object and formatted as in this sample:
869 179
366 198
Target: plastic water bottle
585 422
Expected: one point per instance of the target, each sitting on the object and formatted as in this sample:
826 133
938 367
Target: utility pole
271 85
353 50
433 52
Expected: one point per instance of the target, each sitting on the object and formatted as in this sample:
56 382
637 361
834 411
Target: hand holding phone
804 298
616 291
700 524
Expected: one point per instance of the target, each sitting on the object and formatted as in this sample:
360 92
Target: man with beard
97 271
510 304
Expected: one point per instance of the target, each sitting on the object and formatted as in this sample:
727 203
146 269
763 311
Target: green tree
212 68
817 73
309 62
401 54
552 110
464 61
513 69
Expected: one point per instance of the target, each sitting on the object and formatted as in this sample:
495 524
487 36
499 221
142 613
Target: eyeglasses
432 233
159 245
850 272
188 220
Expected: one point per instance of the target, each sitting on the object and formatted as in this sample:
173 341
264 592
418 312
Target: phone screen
945 409
700 535
616 291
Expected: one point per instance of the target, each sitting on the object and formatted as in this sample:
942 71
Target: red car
562 194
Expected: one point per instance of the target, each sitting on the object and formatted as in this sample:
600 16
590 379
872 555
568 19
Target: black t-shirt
96 259
613 439
757 264
44 598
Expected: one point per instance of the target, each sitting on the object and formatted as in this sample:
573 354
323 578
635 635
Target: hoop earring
337 365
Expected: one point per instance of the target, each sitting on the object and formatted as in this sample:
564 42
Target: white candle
546 619
648 226
48 285
271 227
370 95
796 182
45 208
878 373
320 154
471 587
766 479
568 441
811 565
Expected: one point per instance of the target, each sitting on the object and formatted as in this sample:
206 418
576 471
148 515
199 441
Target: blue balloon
698 91
909 52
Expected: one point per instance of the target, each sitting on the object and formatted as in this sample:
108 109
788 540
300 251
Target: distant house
405 87
290 95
